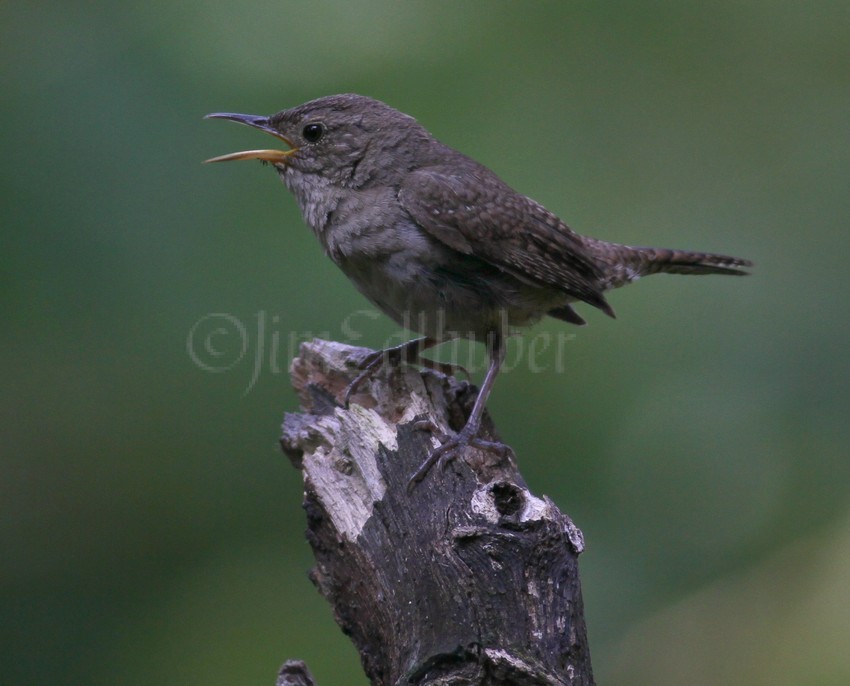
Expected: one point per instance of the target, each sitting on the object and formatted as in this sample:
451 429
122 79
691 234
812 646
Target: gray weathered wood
468 577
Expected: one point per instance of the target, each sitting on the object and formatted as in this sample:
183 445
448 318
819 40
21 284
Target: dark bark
294 673
465 578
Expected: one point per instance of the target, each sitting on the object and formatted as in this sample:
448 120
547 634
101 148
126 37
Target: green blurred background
152 532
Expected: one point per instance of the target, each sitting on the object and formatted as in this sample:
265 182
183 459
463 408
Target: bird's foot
392 357
368 366
451 446
446 368
406 352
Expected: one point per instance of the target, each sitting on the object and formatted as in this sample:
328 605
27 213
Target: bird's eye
313 132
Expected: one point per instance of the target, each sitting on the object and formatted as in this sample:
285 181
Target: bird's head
350 140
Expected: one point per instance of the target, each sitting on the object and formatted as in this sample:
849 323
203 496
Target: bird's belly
424 285
450 296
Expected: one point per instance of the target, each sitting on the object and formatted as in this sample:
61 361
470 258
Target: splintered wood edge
343 455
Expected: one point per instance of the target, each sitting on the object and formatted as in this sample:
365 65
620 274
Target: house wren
437 241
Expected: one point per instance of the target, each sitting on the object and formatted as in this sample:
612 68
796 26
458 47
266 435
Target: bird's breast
417 280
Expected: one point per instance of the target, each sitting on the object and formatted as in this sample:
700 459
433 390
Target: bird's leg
468 435
406 352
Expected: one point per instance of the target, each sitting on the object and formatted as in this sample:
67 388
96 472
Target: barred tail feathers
624 263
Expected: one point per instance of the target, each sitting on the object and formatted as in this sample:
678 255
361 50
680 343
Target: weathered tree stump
467 578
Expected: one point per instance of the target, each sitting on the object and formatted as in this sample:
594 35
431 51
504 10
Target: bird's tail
624 263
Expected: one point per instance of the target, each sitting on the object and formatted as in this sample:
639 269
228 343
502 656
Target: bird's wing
474 212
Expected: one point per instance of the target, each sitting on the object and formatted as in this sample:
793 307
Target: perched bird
437 241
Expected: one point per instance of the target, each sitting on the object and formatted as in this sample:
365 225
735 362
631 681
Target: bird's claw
446 368
368 366
393 357
449 448
406 352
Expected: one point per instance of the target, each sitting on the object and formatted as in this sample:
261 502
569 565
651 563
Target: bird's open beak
262 123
